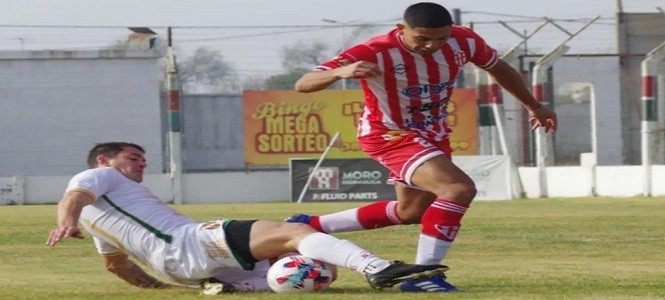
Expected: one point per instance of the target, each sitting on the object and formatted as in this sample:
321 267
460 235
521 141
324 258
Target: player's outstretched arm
130 272
512 81
69 211
318 80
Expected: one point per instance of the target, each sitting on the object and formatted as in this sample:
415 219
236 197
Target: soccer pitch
586 248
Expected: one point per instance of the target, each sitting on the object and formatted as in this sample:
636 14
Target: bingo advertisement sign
280 125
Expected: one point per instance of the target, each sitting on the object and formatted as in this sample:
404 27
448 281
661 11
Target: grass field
590 248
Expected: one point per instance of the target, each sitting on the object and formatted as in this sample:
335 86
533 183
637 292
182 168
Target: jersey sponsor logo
399 69
211 225
448 232
428 122
422 91
325 178
428 106
216 249
392 136
361 177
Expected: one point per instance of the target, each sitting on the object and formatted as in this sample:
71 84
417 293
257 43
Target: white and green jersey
127 218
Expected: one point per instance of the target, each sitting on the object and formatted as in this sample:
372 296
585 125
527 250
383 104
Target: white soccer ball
299 274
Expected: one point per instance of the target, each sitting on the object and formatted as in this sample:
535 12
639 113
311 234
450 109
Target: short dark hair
109 149
427 15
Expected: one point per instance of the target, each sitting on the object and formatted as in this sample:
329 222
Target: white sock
342 221
341 252
431 251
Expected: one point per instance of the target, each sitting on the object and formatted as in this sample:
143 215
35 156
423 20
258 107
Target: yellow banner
280 125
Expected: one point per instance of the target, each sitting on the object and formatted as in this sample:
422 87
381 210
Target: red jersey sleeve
351 55
481 54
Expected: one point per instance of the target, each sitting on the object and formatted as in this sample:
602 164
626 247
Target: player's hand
360 69
60 233
543 117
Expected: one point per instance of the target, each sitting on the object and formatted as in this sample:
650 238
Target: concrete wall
212 133
603 74
574 133
56 104
251 187
637 33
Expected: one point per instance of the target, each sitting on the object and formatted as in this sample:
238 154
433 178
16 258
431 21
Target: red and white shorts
402 152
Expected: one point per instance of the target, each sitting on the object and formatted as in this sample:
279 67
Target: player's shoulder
384 41
100 173
459 31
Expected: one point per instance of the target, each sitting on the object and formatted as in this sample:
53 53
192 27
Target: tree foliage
285 81
301 56
206 71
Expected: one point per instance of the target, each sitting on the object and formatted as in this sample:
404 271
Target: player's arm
511 80
319 80
130 272
69 211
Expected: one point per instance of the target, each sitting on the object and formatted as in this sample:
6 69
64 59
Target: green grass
589 248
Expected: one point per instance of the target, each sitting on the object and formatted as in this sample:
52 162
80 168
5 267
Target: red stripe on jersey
453 70
434 77
412 79
372 115
390 82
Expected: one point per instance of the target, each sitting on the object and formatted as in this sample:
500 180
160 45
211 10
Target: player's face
130 162
424 41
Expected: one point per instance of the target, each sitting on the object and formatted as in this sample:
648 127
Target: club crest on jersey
422 91
460 59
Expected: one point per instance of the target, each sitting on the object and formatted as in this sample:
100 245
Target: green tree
285 81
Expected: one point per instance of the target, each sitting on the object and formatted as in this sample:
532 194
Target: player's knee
462 191
297 229
411 215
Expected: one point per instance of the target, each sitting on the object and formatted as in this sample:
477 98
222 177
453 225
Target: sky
251 33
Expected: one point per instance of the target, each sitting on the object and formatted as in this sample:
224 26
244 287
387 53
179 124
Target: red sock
443 219
378 214
316 224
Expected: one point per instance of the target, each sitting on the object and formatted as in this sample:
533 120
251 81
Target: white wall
55 105
603 73
243 187
236 187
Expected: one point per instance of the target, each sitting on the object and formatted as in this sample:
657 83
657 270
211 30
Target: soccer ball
299 274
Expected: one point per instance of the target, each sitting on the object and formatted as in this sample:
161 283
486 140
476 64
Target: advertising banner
495 176
280 125
364 179
359 179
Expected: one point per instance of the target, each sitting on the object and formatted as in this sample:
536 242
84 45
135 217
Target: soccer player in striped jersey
407 76
130 225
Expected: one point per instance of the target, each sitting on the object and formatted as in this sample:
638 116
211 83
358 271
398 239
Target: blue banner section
353 179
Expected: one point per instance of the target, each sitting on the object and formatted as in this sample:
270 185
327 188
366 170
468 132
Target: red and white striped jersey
414 90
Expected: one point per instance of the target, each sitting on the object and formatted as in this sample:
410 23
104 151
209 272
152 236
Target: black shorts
237 237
